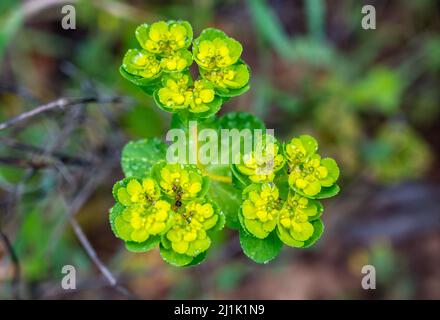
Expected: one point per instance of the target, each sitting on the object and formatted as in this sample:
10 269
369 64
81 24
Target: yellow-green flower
179 93
300 149
176 62
201 95
213 49
138 222
309 177
232 77
164 38
189 233
180 181
144 213
175 94
138 192
293 226
141 63
260 209
261 164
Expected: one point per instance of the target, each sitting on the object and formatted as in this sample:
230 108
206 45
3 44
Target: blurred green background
371 98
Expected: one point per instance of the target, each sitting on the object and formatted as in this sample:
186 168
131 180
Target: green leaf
220 222
239 180
270 30
241 220
320 210
141 63
11 23
174 258
233 92
115 211
148 85
145 246
211 34
269 27
225 195
139 156
197 259
206 184
120 184
282 183
260 250
328 192
285 236
162 106
228 199
240 121
178 123
318 229
214 107
315 10
164 242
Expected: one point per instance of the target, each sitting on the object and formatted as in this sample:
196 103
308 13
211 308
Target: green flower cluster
161 68
294 214
168 207
164 49
309 173
272 194
261 164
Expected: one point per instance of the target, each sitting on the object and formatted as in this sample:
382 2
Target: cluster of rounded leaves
161 67
304 177
172 205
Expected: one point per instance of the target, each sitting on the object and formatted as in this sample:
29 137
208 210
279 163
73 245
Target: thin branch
96 260
33 163
74 207
61 103
16 265
91 252
87 191
34 8
62 157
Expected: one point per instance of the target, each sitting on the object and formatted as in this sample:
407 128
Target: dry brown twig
97 261
73 208
61 103
56 156
43 157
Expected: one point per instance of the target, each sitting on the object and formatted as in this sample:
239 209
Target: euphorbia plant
271 197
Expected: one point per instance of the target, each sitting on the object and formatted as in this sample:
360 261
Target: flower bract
189 232
260 209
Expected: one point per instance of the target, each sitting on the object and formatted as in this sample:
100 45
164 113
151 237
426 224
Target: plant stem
219 178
